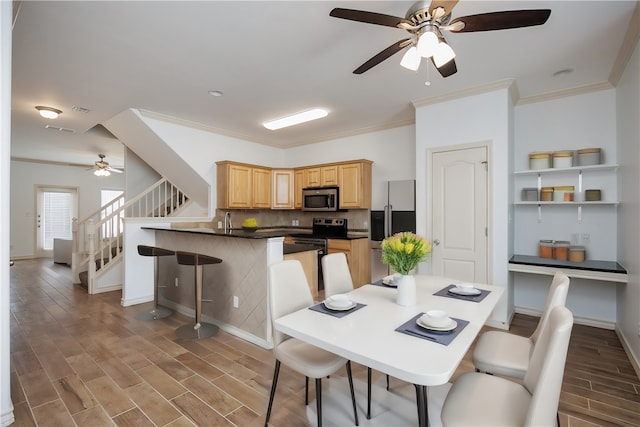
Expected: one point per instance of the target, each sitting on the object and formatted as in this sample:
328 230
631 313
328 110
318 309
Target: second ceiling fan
425 21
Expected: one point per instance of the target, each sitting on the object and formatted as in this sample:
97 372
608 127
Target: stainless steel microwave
320 199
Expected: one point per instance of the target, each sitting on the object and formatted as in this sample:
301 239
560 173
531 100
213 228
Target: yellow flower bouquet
404 251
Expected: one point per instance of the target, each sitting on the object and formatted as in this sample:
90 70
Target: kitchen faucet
227 222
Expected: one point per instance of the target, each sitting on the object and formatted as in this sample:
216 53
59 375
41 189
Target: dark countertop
593 265
265 233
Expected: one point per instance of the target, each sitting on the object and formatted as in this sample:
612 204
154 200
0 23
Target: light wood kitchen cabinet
283 187
357 252
261 189
354 180
242 186
299 182
321 176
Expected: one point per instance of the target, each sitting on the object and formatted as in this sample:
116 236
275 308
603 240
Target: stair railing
98 240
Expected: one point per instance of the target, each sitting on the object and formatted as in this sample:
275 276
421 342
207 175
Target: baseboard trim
627 349
7 418
603 324
136 301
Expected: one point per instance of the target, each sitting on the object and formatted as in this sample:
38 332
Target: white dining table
368 335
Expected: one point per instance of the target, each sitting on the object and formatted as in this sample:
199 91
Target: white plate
330 306
465 291
391 280
450 327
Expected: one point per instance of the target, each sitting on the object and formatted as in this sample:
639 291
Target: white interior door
55 210
459 214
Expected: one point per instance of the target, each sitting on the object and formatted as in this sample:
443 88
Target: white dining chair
337 280
289 292
506 354
336 275
477 399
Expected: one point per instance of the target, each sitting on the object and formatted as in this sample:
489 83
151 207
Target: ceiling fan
102 168
425 21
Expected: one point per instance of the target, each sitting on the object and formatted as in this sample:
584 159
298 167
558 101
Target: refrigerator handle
386 221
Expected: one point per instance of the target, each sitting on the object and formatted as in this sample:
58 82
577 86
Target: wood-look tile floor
79 359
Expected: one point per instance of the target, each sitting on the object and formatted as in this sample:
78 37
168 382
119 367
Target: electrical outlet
219 224
586 238
366 224
177 282
236 302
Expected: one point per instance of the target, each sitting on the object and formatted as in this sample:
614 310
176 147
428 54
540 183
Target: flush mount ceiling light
101 172
48 112
216 93
294 119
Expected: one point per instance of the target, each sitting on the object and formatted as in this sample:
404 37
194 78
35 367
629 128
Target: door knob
436 242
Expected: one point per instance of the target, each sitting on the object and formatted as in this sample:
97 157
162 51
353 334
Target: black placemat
475 298
336 313
381 283
410 327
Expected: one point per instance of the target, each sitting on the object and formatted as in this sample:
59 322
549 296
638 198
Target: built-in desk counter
607 271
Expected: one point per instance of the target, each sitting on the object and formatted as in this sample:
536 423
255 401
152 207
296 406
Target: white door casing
459 214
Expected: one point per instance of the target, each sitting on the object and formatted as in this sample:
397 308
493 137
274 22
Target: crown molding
579 90
478 90
626 49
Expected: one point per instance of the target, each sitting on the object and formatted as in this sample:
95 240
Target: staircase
98 240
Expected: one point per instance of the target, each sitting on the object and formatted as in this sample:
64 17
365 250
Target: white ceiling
271 59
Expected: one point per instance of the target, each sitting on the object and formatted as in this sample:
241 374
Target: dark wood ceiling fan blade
447 5
369 17
447 69
381 56
501 20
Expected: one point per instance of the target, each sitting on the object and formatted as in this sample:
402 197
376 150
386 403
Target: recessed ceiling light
216 93
294 119
48 112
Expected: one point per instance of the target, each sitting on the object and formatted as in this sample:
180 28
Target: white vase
406 291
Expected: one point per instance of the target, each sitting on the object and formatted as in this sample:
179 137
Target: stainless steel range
323 229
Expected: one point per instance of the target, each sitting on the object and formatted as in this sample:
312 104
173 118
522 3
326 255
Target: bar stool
157 312
199 330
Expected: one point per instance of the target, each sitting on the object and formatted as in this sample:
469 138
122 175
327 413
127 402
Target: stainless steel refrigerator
398 214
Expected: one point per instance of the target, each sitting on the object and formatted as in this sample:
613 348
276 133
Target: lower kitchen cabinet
357 252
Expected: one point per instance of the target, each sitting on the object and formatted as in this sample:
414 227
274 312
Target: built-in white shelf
565 170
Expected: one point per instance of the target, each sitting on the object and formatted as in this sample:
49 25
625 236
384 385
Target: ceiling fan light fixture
101 172
411 59
428 44
295 119
48 112
443 54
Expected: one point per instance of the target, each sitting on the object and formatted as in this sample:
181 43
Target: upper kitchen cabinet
283 181
321 176
354 180
298 185
242 186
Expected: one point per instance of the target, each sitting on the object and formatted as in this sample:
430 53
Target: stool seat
200 329
153 251
190 258
157 312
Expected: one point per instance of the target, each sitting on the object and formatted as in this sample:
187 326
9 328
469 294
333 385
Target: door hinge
486 232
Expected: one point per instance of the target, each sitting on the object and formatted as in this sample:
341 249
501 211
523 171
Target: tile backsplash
357 219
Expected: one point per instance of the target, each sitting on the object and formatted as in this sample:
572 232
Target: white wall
628 112
477 119
392 152
25 176
6 407
569 123
201 149
140 175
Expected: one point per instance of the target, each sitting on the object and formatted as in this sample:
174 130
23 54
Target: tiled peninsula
242 274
